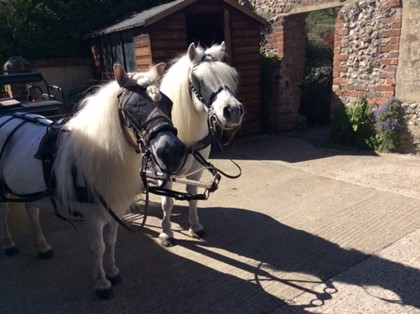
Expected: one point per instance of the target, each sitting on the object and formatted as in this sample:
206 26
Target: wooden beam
317 7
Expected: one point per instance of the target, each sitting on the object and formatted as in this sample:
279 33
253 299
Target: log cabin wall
168 37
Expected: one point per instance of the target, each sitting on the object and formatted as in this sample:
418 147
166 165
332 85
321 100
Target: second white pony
202 88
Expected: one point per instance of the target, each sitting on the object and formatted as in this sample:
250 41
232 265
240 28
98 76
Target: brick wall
366 51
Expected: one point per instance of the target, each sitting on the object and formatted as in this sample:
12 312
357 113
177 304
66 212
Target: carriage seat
30 93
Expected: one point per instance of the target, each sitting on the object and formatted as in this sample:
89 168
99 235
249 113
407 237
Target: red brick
385 48
388 94
385 88
341 57
396 25
391 81
391 32
380 100
342 32
340 80
388 61
394 40
394 54
391 4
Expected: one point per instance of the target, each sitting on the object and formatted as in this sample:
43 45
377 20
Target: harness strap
111 212
84 194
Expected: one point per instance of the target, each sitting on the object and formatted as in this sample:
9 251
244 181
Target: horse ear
223 47
192 53
220 52
160 68
120 74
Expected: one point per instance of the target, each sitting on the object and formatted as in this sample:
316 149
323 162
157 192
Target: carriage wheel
138 212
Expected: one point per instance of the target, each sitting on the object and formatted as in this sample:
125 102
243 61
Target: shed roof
148 17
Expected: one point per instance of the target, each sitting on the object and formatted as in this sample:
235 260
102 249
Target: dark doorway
205 29
317 82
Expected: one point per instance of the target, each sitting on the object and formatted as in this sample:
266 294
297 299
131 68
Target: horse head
146 116
213 84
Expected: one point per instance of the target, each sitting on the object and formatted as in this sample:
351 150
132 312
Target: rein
149 174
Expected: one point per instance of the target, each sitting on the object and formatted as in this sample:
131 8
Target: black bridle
223 136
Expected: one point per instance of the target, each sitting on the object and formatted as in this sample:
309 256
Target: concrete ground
304 229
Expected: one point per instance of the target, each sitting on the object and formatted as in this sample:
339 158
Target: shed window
205 29
118 48
130 58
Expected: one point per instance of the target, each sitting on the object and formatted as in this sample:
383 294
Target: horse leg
167 236
110 237
8 245
95 226
196 229
44 249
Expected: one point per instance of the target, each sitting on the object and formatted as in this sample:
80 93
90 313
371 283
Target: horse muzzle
233 115
169 152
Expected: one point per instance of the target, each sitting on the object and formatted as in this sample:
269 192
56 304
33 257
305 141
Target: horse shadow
285 253
154 279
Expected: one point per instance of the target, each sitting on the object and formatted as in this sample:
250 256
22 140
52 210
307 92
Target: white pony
96 165
202 88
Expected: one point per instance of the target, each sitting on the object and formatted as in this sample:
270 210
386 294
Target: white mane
96 146
190 122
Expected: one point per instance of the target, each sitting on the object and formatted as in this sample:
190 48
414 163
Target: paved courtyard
304 229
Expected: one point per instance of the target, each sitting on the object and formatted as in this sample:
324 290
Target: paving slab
302 230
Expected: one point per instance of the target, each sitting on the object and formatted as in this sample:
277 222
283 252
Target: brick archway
366 51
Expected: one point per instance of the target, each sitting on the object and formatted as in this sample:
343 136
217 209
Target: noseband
141 118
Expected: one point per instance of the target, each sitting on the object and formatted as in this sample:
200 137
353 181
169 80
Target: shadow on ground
272 147
157 281
284 253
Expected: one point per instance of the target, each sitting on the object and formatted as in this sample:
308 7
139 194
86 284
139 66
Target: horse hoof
116 280
104 294
46 255
168 242
11 251
199 234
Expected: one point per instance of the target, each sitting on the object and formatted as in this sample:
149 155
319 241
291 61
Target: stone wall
366 51
371 46
408 71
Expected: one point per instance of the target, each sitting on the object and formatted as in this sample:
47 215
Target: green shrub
353 125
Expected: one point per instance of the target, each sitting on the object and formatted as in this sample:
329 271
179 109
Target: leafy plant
389 124
353 125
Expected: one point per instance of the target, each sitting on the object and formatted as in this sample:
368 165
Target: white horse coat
94 144
200 84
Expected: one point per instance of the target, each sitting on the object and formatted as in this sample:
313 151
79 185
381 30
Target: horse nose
172 155
233 113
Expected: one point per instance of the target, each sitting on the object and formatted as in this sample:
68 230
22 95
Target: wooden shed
163 32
